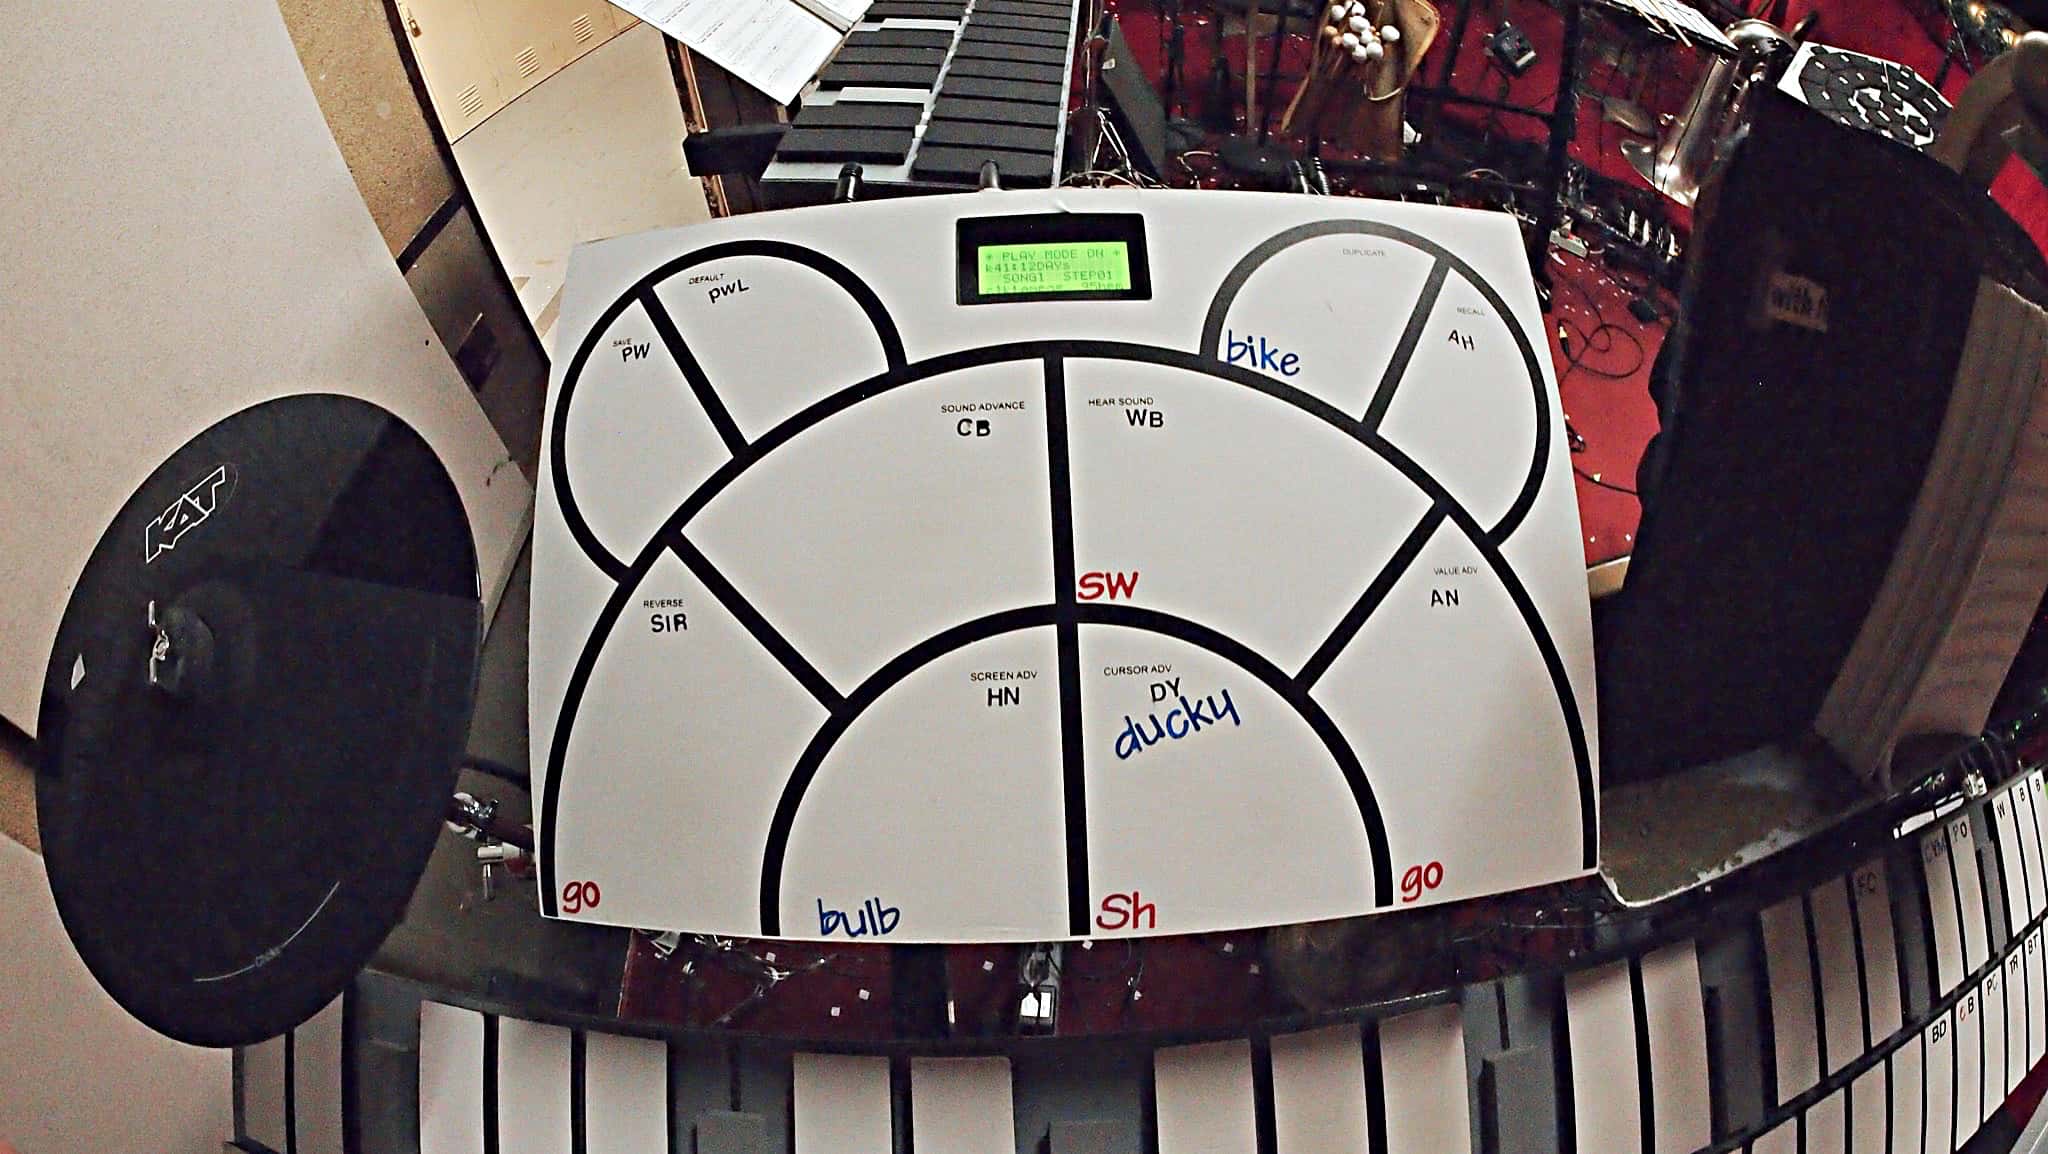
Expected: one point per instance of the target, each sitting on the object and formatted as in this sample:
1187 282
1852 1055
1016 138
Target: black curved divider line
558 454
1219 311
572 700
1012 620
829 406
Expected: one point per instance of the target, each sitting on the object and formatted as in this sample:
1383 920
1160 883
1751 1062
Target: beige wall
200 251
77 1074
352 61
17 790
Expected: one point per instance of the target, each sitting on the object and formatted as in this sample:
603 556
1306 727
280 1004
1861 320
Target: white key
2012 870
1992 990
316 1083
2014 982
1938 1113
1841 984
840 1104
2026 813
1676 1019
625 1095
962 1106
1319 1092
1790 972
1872 895
1909 1095
1600 1022
1939 876
263 1078
533 1088
1868 1112
1976 927
1827 1125
1783 1140
1422 1063
2037 997
1202 1098
451 1080
1969 1091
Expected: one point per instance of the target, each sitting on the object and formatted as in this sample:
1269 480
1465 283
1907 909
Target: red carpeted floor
1602 352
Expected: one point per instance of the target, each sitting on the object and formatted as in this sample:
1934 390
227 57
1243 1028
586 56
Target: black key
1022 54
981 35
1007 137
917 9
860 54
879 145
857 114
955 108
1057 24
963 166
879 76
983 88
901 38
1055 8
970 66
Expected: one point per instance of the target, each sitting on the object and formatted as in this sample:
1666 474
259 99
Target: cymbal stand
500 842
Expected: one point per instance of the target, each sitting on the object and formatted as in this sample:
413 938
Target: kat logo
1796 300
188 512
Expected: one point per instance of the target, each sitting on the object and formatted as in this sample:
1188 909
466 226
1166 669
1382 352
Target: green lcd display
1082 266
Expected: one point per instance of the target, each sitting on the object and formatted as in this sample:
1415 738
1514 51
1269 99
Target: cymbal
254 713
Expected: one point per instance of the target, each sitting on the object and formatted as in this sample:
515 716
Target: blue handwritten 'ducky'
873 918
1184 720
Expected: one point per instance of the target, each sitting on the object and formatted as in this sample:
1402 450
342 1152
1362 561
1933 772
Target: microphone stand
1254 156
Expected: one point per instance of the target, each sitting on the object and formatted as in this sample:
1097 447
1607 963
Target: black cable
1590 479
1578 363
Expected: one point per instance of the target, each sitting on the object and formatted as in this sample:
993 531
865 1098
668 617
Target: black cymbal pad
254 713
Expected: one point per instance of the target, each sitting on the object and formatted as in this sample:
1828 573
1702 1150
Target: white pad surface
1422 1062
967 623
840 1104
1871 892
1676 1016
533 1088
316 1082
1945 918
625 1088
1319 1092
1841 978
1600 1020
1790 973
1203 1099
962 1106
451 1080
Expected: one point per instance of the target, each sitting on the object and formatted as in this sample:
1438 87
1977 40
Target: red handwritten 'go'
580 896
1414 882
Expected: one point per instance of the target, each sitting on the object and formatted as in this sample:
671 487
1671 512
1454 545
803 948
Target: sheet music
774 45
1678 20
